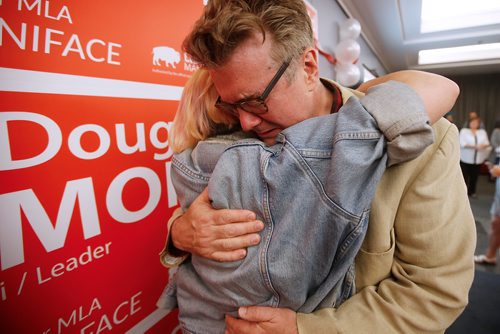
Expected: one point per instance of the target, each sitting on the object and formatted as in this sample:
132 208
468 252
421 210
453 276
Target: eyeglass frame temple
274 80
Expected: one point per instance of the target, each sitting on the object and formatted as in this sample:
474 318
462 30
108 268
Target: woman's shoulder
465 130
483 131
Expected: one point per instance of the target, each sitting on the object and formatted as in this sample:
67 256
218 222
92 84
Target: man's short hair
225 24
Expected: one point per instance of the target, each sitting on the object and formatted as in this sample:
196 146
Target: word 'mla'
55 139
125 309
63 12
53 236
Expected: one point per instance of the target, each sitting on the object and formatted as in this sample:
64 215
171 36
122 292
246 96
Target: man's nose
248 120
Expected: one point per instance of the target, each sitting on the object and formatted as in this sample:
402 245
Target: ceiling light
451 14
460 53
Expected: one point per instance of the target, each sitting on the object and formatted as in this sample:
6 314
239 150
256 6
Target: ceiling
392 29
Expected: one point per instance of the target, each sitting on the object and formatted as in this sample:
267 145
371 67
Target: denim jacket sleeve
401 117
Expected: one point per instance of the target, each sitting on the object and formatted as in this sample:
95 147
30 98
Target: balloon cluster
347 54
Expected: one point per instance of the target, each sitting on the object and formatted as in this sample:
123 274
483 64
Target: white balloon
350 28
347 51
347 74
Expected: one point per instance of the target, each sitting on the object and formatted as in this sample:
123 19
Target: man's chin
269 141
269 137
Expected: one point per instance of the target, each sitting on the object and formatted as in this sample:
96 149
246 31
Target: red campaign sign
80 232
113 39
87 97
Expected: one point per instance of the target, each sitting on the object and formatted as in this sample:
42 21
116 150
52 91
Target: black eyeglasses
254 105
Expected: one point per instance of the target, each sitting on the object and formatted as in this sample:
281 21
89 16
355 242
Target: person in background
495 142
472 115
490 257
474 149
420 208
449 117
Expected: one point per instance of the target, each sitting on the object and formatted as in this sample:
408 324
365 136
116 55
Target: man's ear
311 67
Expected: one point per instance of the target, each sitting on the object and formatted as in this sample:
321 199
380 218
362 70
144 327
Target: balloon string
325 54
329 56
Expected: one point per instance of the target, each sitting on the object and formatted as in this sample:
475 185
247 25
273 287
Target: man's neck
331 98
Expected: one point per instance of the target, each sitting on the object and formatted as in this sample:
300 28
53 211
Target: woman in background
474 149
490 257
495 142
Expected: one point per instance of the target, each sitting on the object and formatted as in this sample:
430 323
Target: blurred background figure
473 115
474 150
490 257
495 142
449 117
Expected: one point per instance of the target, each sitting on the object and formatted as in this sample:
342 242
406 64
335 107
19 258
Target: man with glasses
322 177
253 105
415 266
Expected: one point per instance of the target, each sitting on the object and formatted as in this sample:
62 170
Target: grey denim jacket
312 189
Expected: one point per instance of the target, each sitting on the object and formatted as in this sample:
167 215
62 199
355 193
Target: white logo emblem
167 54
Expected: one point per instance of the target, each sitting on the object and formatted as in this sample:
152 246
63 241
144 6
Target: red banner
88 91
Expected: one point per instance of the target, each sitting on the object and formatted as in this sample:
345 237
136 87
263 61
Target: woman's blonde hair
197 118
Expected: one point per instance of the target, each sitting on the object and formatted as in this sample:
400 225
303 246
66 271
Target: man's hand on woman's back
220 235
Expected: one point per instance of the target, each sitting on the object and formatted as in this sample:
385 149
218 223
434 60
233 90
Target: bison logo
164 53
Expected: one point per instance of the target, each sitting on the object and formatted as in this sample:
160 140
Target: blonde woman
197 118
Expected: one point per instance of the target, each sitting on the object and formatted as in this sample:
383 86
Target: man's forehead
237 81
239 86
